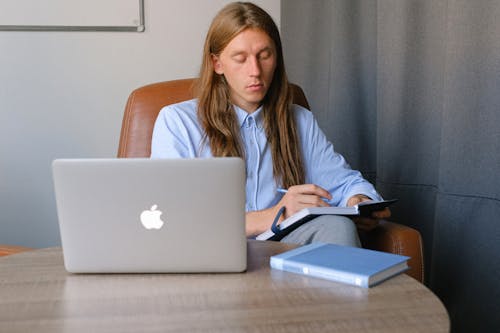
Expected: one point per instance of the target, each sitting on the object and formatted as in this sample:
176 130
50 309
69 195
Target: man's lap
327 229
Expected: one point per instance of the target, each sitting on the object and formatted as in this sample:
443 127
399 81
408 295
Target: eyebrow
236 53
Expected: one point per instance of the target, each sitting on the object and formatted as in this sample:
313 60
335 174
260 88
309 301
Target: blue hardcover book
356 266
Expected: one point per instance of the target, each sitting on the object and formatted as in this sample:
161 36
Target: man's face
248 63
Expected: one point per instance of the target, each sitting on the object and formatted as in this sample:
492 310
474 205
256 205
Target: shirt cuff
364 190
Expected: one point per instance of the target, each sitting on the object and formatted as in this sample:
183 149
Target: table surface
38 295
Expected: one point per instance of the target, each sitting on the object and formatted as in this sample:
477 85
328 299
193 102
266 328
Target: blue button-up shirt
178 134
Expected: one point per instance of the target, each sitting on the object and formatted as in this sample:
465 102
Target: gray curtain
409 92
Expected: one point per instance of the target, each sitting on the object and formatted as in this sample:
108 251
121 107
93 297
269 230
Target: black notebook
365 208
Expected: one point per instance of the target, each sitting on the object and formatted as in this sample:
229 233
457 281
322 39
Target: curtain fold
409 92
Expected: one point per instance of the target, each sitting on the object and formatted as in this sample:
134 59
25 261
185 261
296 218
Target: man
243 108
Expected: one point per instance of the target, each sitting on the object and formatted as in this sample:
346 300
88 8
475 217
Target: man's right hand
296 198
303 196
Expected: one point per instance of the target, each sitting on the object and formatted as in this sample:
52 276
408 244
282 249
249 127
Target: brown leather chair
11 249
142 109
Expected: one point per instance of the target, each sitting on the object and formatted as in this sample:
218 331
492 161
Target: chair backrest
145 103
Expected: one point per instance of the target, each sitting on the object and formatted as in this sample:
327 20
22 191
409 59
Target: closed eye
239 58
266 54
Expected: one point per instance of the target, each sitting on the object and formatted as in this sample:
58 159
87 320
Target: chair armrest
9 249
399 239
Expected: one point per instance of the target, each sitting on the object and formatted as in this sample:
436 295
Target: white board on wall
72 15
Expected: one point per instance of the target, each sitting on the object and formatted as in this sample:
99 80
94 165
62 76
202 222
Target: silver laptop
151 215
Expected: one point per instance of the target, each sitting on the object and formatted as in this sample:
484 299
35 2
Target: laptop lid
151 215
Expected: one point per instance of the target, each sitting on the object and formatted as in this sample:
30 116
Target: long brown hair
216 112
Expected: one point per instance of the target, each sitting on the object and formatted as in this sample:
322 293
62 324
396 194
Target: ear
217 64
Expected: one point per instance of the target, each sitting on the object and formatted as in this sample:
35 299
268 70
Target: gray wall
62 94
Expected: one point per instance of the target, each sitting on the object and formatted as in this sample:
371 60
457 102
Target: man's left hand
367 223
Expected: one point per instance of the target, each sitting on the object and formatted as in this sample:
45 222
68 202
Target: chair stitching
127 121
398 249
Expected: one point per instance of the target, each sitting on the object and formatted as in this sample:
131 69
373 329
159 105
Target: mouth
255 86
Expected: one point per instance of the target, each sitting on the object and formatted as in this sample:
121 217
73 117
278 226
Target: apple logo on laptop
150 219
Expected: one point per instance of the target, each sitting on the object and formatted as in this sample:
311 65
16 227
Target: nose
254 66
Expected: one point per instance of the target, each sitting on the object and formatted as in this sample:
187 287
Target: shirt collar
243 117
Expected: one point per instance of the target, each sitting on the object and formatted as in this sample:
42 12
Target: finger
312 201
310 189
364 227
365 221
382 214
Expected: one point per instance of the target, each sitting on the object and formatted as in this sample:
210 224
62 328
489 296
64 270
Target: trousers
334 229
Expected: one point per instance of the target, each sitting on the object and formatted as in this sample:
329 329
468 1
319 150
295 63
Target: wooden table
37 295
